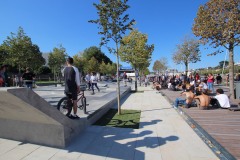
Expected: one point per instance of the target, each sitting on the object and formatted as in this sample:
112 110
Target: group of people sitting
220 100
197 90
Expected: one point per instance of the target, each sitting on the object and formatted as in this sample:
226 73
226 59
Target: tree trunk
118 84
231 71
135 79
186 68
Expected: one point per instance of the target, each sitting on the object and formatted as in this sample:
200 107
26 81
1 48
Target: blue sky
50 23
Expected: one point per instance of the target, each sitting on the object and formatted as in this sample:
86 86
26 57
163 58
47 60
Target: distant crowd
25 79
197 89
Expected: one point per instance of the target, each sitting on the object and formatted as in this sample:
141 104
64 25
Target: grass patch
128 119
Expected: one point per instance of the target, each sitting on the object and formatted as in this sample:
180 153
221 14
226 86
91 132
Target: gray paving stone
163 135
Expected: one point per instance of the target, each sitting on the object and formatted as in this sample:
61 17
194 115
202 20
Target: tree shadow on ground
117 143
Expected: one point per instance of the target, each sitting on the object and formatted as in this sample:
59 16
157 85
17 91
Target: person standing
16 80
7 79
2 76
227 79
87 79
125 78
210 81
72 85
28 78
93 80
219 79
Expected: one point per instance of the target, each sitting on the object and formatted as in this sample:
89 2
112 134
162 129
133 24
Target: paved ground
163 135
219 126
107 92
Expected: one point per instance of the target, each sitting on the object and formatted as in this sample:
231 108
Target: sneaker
92 93
75 117
174 107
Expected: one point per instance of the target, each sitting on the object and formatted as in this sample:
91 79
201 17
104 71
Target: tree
56 60
21 52
218 23
160 65
135 50
96 53
44 70
113 23
157 66
223 63
103 68
92 65
81 63
111 68
164 64
3 55
187 52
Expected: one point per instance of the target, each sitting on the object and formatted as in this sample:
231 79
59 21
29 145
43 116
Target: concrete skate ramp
26 117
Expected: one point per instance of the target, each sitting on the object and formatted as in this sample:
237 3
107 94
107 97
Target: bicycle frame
81 94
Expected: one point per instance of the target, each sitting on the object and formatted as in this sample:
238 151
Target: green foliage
221 64
103 68
135 50
111 68
44 70
187 52
81 63
3 55
19 51
113 23
218 23
57 59
160 65
93 65
128 119
96 53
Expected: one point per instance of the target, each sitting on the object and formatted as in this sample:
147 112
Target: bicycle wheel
64 106
84 104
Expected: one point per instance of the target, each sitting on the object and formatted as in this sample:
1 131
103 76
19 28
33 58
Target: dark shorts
72 95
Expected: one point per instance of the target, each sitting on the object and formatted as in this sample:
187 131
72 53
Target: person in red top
210 81
197 77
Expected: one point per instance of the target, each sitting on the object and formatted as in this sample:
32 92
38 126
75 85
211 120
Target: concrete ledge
27 117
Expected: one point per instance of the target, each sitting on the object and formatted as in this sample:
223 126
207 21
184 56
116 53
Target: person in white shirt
93 80
87 79
221 99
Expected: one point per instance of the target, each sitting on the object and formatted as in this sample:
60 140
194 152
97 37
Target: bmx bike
65 104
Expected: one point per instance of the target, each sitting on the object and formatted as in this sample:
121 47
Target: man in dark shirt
72 84
28 78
